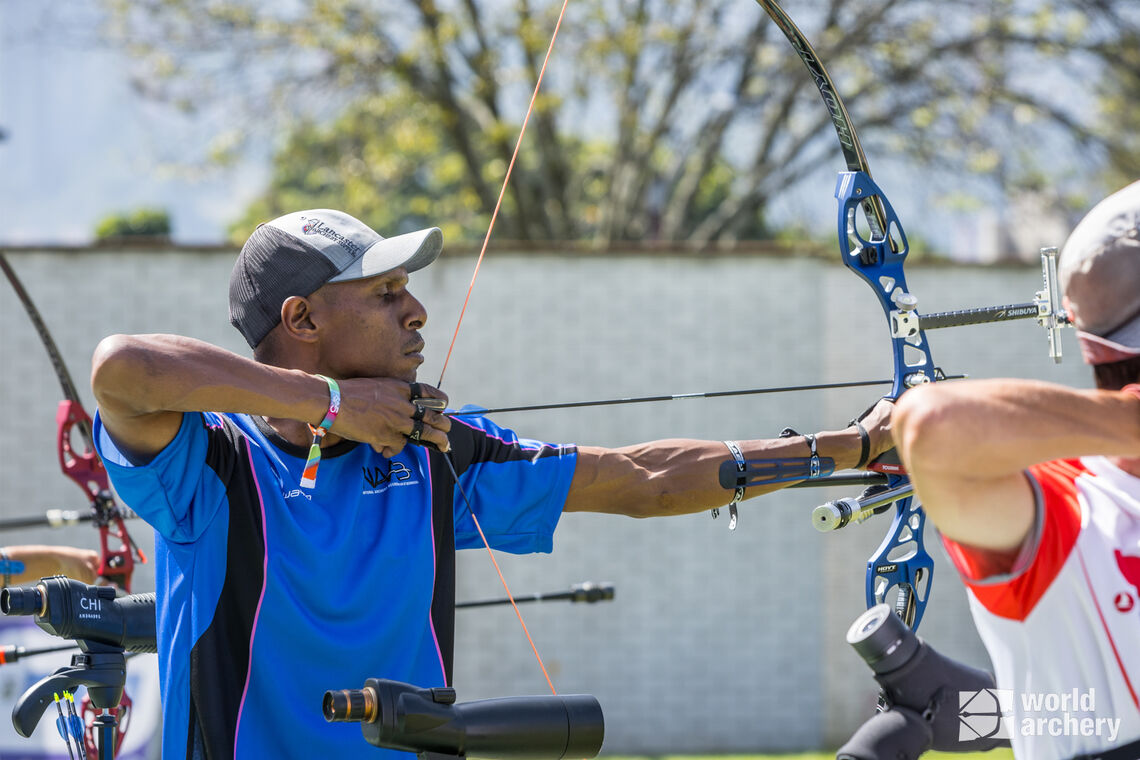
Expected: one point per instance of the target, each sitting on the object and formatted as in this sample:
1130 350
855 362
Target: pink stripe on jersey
435 566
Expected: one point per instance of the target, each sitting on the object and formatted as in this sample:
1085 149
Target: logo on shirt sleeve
1130 568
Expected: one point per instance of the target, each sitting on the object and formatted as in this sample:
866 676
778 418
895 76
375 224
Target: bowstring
502 578
463 311
503 189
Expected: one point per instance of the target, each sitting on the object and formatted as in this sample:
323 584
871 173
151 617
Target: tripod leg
105 733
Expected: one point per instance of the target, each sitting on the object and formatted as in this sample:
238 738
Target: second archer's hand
380 412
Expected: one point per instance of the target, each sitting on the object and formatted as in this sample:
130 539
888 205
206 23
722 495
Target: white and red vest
1063 628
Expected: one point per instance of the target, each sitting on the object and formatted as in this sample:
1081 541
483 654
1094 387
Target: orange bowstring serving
503 189
463 311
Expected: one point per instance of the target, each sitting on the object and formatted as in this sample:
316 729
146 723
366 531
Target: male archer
1036 490
300 541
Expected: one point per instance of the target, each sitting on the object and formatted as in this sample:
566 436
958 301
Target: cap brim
1120 344
412 251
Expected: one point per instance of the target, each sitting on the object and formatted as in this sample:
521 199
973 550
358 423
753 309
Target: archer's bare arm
144 383
40 561
679 476
966 445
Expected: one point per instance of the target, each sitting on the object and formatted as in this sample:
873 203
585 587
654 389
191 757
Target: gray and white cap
1099 270
296 254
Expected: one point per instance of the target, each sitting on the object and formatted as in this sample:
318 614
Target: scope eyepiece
22 600
350 706
409 718
921 689
882 639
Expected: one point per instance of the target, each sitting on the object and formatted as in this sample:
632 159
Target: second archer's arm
966 445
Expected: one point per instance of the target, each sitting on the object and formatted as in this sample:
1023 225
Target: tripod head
72 610
102 624
921 691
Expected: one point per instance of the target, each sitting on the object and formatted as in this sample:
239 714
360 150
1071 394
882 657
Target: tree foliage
143 222
675 120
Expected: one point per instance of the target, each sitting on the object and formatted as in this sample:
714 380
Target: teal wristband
334 403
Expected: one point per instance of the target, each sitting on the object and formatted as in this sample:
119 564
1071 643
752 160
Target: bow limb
83 467
901 563
848 138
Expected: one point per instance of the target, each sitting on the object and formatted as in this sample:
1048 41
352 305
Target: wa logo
981 714
377 479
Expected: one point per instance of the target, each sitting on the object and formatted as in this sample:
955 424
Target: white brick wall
715 641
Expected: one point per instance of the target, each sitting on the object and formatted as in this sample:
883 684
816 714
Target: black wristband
864 444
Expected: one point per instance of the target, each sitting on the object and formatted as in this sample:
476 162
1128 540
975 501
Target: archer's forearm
681 476
40 561
137 375
993 428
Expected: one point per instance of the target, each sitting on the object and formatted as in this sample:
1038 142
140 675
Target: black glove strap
417 431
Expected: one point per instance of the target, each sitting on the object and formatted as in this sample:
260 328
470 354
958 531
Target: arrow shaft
518 600
671 397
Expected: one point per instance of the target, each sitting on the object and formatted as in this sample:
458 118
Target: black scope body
408 718
73 610
921 688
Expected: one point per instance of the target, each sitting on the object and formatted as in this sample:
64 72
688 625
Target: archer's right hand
380 412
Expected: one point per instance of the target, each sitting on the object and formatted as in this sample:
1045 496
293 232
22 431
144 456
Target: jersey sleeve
515 486
178 491
1009 584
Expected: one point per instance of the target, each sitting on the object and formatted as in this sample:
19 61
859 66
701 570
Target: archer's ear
296 319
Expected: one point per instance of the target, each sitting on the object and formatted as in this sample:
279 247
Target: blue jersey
269 595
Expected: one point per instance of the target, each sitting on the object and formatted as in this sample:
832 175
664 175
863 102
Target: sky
80 144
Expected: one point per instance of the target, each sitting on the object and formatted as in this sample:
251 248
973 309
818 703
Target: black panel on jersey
219 661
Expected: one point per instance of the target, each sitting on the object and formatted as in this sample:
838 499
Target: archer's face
370 327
